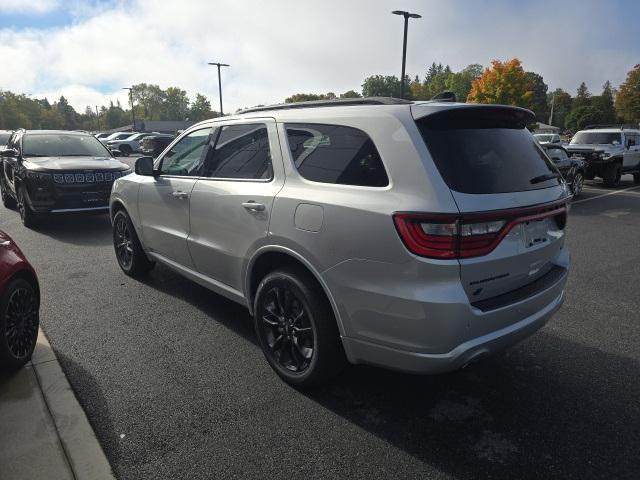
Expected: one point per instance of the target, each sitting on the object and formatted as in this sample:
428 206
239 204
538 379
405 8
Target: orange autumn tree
505 83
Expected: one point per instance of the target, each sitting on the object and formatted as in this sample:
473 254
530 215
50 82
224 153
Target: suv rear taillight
467 235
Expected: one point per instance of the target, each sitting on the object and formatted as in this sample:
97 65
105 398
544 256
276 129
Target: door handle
179 194
251 205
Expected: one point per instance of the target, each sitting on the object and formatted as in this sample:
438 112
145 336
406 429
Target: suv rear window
335 154
486 150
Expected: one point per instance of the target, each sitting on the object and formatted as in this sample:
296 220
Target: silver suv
414 236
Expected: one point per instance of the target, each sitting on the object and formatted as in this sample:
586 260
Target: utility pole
406 16
553 100
219 81
133 114
97 118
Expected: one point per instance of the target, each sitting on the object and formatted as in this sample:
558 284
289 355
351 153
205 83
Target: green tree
628 97
201 109
381 86
582 116
605 103
304 97
68 113
176 104
350 94
539 102
460 82
562 103
583 96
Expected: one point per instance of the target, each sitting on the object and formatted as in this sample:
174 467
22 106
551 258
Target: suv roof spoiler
336 102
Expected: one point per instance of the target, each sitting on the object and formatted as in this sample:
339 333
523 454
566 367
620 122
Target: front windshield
4 138
544 138
597 138
61 145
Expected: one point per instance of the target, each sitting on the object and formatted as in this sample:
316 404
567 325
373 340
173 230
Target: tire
636 178
29 217
296 328
7 200
612 175
129 253
19 322
125 149
577 184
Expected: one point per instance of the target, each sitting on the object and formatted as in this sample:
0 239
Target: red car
19 305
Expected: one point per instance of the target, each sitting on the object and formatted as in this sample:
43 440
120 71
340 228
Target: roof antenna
446 96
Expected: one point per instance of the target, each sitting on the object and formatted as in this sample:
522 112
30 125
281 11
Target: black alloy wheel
129 253
577 184
7 200
286 329
19 323
296 328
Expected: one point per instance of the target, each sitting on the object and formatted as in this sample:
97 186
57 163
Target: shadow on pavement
548 408
81 230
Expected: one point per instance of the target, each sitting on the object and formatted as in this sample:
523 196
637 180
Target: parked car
153 145
51 172
414 236
100 136
127 145
19 305
572 169
5 135
544 138
117 136
608 152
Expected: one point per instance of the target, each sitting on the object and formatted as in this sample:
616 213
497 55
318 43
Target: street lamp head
400 12
219 64
406 14
414 15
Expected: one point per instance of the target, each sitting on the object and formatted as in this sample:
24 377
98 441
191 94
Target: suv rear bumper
359 351
436 329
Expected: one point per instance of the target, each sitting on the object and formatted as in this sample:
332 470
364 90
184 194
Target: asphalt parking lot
173 381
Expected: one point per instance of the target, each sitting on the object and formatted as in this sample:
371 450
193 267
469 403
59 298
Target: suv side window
186 157
241 152
335 154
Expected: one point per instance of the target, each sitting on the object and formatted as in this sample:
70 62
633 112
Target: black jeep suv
46 171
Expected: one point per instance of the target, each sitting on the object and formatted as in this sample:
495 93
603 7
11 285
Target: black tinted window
241 151
486 151
185 157
61 145
597 138
4 138
336 154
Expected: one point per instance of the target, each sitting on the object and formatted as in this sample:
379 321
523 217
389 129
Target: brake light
449 236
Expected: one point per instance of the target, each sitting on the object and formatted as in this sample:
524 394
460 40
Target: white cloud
28 6
279 48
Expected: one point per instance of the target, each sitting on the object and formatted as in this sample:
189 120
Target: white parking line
615 192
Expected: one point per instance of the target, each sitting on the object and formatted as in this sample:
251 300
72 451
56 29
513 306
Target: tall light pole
219 82
406 16
97 118
133 114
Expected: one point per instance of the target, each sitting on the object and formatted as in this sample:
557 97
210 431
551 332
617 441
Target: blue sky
88 50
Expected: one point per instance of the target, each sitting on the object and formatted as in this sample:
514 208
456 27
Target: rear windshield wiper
543 178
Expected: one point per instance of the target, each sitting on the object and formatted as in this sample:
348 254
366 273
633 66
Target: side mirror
9 152
144 166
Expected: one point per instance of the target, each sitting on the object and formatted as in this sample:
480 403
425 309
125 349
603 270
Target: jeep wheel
29 217
577 184
7 200
297 329
612 175
125 150
129 253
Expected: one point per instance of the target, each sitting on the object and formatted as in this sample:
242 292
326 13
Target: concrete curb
81 447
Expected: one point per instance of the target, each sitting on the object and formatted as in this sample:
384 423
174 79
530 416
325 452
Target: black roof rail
620 126
336 102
